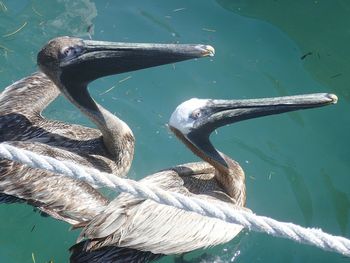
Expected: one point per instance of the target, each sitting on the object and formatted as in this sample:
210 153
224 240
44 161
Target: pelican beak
222 112
99 58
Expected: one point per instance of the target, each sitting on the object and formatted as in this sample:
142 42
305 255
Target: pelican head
194 120
73 62
86 60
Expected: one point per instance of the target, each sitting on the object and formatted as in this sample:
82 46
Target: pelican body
67 66
154 229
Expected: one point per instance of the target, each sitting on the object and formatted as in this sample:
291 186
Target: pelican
154 229
68 65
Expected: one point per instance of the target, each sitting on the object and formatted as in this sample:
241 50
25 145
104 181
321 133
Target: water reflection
324 45
226 253
282 91
76 20
295 179
44 20
340 201
160 22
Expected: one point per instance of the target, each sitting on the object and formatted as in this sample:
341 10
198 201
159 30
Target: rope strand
310 236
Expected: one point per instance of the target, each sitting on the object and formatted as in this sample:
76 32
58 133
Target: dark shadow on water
282 91
323 41
295 179
340 201
228 253
160 22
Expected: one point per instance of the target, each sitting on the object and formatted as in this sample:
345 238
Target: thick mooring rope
311 236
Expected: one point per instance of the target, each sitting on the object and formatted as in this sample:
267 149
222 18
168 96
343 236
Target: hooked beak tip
333 98
207 50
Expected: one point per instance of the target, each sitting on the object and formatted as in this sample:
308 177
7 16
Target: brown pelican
69 65
155 229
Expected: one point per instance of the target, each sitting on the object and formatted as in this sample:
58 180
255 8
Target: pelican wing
22 125
21 106
28 96
61 197
160 229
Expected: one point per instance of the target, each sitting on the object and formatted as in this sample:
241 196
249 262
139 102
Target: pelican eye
70 52
196 114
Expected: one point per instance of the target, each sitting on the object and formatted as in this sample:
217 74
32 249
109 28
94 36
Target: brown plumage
145 225
68 66
22 125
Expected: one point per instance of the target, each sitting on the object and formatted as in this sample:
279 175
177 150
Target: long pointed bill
101 58
223 112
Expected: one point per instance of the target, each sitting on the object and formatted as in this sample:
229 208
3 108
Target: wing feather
160 229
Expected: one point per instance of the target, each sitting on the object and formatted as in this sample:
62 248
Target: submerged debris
179 9
16 31
5 48
336 75
3 6
305 55
208 29
120 81
36 11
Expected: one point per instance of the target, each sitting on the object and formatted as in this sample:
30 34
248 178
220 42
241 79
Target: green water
297 164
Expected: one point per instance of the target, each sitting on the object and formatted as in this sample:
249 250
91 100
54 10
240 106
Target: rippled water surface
297 164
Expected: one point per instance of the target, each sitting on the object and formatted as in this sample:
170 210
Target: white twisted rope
248 220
